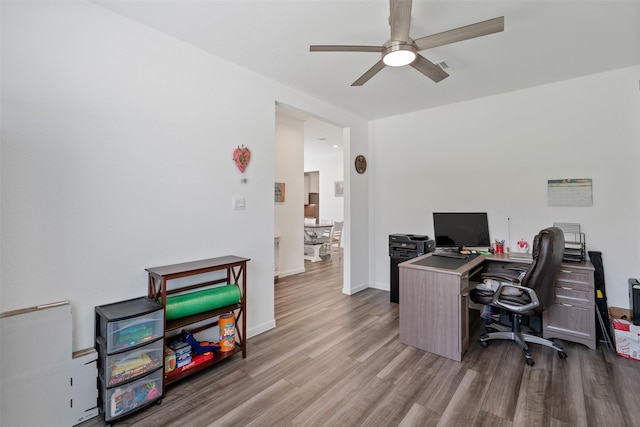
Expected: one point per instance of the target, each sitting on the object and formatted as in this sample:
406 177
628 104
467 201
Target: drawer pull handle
566 288
466 294
567 271
567 305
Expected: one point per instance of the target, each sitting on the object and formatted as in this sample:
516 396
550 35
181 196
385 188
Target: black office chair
536 288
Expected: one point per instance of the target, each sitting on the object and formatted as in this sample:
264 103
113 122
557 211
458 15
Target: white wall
289 218
116 156
330 164
496 154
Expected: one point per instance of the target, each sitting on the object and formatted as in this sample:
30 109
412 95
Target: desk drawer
572 315
573 322
574 292
575 275
569 318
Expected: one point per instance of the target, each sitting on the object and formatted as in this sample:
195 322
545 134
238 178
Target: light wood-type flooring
336 360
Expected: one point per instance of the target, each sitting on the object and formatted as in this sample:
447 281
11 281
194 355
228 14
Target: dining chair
335 242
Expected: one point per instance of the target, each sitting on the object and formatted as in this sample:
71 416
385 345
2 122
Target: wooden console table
235 271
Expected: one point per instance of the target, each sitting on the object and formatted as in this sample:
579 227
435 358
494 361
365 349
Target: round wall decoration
361 163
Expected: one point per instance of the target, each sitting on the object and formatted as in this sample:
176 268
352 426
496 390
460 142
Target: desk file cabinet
572 315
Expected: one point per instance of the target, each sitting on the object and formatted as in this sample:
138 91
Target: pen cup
499 248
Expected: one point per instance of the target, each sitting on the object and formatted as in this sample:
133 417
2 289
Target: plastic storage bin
121 367
129 333
123 400
130 345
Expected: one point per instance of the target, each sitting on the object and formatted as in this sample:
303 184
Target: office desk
434 302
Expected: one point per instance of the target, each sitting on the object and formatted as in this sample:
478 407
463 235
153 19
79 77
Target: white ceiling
543 42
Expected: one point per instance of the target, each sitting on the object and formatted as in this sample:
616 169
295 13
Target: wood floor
336 360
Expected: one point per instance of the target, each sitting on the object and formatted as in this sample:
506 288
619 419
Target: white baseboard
381 286
355 289
291 272
257 330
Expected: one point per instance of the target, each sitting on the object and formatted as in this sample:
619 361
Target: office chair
526 297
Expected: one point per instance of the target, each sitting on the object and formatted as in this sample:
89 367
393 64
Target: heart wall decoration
242 156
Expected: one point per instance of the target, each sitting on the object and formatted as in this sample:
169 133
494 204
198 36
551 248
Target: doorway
305 144
311 197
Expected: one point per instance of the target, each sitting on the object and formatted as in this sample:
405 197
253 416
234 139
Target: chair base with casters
526 294
516 335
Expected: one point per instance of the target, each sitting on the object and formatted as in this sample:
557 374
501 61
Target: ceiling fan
402 50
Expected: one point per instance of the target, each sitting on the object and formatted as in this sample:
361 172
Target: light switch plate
238 203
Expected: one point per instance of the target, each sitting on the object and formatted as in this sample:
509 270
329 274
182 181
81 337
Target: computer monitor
461 229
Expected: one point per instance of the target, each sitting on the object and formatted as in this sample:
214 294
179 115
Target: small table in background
314 238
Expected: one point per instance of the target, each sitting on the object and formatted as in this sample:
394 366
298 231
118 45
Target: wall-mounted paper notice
570 192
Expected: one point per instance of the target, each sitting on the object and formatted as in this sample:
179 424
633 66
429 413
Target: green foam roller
200 301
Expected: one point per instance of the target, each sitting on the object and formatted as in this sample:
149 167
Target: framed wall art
279 192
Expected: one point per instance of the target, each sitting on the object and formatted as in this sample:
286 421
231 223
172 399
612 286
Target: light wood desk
434 302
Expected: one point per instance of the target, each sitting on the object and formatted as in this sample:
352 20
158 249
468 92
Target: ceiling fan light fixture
399 54
402 50
399 58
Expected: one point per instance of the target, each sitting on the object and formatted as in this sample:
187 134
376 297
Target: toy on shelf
195 361
199 347
169 360
182 352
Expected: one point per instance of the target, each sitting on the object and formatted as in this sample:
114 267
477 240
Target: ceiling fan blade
400 19
429 69
344 48
478 29
370 73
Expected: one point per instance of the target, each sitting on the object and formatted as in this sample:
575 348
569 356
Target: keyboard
450 255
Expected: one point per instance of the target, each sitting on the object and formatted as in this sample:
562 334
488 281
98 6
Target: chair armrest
517 267
535 302
501 277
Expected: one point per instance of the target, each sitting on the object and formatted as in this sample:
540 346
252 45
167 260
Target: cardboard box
627 335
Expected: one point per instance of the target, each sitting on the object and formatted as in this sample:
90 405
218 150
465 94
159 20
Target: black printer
409 245
401 248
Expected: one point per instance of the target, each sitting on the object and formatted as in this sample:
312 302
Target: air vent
443 64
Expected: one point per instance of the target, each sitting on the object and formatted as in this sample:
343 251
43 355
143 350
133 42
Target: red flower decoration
241 156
